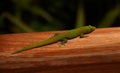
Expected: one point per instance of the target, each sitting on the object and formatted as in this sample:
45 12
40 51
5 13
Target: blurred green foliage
46 15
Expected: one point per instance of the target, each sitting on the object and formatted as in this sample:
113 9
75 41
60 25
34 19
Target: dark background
17 16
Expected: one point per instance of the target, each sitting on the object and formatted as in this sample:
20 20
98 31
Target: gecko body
63 37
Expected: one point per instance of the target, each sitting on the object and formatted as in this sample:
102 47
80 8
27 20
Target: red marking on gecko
68 33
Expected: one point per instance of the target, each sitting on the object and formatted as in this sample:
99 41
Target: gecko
62 37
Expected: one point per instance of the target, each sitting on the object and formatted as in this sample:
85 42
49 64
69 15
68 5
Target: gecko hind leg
64 41
55 35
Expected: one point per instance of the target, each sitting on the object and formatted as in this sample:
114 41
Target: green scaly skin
61 37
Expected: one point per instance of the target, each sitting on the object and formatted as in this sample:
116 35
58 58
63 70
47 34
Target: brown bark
98 53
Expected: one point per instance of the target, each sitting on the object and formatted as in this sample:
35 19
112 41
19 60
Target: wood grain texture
100 52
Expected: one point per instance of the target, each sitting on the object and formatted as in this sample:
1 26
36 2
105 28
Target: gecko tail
18 51
23 49
15 52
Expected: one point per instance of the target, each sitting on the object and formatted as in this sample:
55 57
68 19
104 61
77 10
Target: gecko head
92 28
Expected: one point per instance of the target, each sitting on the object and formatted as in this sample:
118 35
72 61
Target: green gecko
61 37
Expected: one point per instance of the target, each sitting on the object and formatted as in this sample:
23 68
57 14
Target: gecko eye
92 27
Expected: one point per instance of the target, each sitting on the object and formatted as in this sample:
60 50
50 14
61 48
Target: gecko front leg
83 36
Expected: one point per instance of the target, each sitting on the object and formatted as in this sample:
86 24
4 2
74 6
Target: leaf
18 23
110 17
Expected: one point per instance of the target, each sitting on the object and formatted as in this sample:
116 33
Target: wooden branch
98 53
